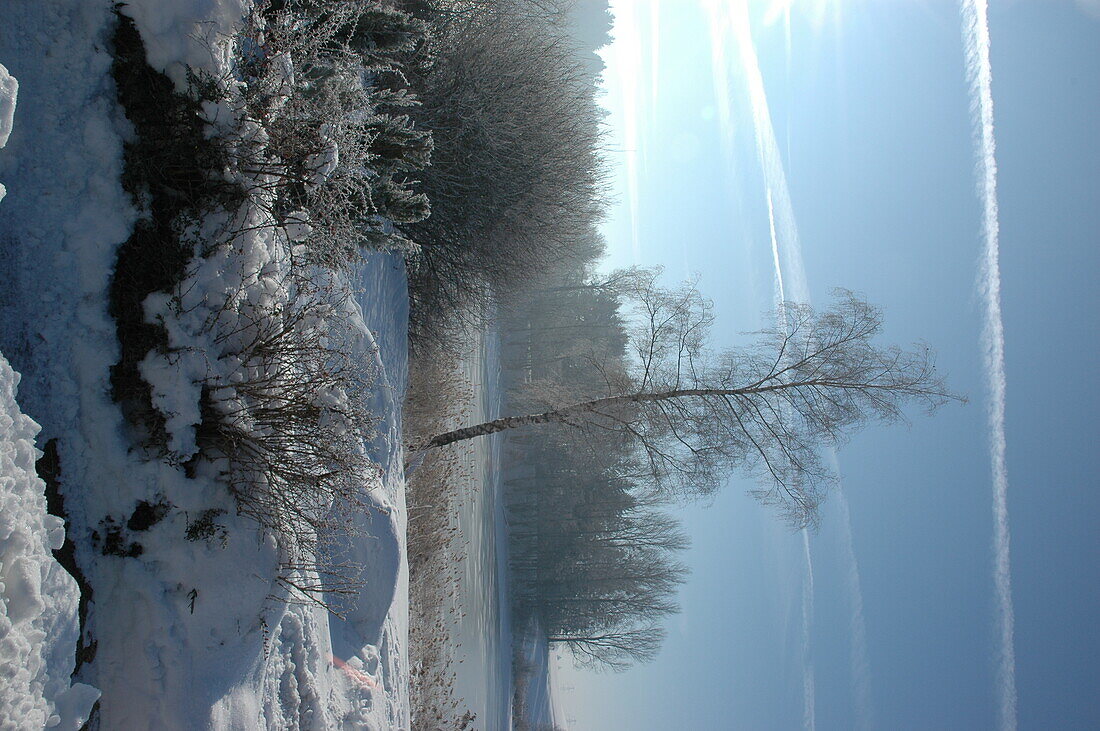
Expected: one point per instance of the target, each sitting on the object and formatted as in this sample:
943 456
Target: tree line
516 181
593 555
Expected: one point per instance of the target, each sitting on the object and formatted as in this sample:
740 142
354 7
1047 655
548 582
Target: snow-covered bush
265 386
290 412
317 128
244 356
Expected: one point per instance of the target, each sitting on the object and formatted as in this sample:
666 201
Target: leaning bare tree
695 413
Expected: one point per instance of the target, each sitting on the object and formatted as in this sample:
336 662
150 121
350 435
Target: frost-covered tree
516 180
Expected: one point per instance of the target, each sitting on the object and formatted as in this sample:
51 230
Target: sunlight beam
621 79
732 18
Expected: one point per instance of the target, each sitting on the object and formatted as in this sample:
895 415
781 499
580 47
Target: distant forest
593 553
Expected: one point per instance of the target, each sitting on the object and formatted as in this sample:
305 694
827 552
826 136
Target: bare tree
614 649
516 178
695 413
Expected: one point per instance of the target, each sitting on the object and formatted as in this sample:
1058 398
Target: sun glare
815 11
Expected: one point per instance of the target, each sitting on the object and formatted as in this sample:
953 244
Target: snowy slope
184 634
38 598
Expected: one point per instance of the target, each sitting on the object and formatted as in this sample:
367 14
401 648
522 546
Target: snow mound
187 34
9 89
38 599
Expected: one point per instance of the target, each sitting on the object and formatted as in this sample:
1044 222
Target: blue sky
890 619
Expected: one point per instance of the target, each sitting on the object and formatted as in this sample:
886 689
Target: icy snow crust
188 634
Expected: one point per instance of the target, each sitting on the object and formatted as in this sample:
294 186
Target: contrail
860 667
771 161
979 73
780 290
790 279
809 679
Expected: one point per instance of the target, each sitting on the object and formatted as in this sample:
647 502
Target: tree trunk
560 415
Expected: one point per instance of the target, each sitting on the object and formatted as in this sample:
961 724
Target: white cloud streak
979 72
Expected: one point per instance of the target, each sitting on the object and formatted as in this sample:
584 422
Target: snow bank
9 89
38 599
179 34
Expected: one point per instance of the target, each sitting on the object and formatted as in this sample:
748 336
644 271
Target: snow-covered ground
38 598
484 677
538 708
179 634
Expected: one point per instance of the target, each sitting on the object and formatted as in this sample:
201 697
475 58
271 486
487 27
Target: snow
297 226
38 599
324 163
9 90
187 633
179 34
